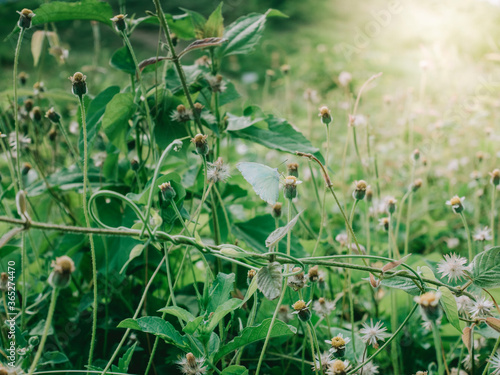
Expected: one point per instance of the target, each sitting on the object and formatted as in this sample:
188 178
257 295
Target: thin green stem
437 346
16 115
467 232
48 323
492 222
87 223
312 347
493 352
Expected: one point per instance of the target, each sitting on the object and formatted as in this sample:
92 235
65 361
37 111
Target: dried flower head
416 185
345 78
372 333
25 18
198 108
456 203
79 83
119 22
285 68
28 105
415 154
326 115
480 156
218 171
313 274
53 116
217 83
453 266
201 144
181 114
36 114
190 365
342 239
481 307
323 307
384 223
482 235
60 276
298 281
38 88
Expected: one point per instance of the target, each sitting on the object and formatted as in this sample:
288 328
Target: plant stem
493 352
48 323
437 346
16 115
87 223
312 347
394 306
467 232
492 224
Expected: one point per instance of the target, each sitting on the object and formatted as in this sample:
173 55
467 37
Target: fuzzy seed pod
36 113
359 190
53 116
495 177
326 115
28 105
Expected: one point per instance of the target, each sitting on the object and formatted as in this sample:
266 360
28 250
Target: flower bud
201 144
359 190
313 274
52 135
79 84
369 194
384 223
302 310
416 154
167 191
293 169
276 212
36 113
480 156
26 168
38 87
326 115
417 184
250 275
23 78
28 105
63 267
198 108
429 305
495 177
134 164
25 18
119 22
456 204
285 69
290 188
391 205
53 116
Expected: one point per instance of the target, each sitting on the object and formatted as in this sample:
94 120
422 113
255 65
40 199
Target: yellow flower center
427 299
299 305
338 366
455 200
338 342
361 185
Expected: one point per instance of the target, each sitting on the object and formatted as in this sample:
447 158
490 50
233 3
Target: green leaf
134 253
198 22
240 122
179 312
181 25
124 361
115 120
279 135
275 13
191 327
220 291
256 333
235 370
157 327
243 35
281 232
94 114
122 60
214 27
402 283
255 231
53 358
270 279
449 305
486 268
222 311
91 10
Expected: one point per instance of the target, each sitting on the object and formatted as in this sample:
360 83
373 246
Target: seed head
429 305
26 168
53 116
390 203
416 154
218 171
384 223
345 78
313 274
290 187
359 190
285 69
417 184
250 275
181 114
293 169
28 105
198 108
495 177
276 211
25 18
480 156
167 191
201 144
36 114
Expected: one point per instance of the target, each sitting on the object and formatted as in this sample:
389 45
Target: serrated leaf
270 279
157 327
243 35
280 135
281 232
122 60
449 305
124 361
214 27
179 312
56 11
115 120
198 22
401 283
240 122
486 268
256 333
220 290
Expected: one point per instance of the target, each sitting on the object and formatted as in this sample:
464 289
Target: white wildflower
481 308
372 333
453 266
